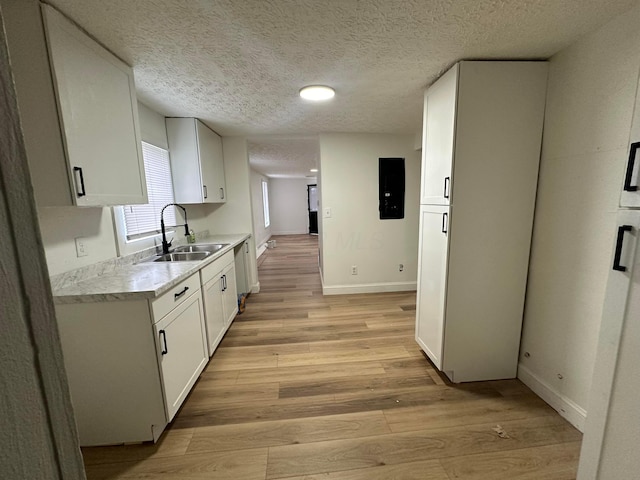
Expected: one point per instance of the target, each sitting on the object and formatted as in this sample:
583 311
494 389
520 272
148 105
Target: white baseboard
567 408
367 288
261 249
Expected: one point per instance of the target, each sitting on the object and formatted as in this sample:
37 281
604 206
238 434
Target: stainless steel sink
201 247
181 257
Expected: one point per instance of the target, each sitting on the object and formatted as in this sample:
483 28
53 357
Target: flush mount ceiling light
317 93
314 170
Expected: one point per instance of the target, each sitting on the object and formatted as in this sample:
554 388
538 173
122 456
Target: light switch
326 212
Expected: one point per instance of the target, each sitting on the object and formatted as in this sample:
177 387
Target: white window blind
265 203
144 220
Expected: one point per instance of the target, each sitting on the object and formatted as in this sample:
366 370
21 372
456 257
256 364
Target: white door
612 432
99 114
438 140
182 351
432 280
230 293
214 314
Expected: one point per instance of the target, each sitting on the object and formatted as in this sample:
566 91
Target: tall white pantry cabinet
482 133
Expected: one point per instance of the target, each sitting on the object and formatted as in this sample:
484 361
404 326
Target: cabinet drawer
174 297
214 269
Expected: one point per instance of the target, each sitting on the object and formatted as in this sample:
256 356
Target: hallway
310 387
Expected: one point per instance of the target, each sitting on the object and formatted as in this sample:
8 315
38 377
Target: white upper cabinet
99 116
197 163
78 110
438 139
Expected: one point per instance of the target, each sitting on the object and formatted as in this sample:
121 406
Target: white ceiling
238 64
285 156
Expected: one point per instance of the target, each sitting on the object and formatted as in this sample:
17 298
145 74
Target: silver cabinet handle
221 193
204 189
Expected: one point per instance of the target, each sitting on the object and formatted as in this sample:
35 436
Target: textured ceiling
238 64
284 156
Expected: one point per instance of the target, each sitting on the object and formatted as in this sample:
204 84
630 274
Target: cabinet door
230 293
630 196
432 280
211 165
185 164
182 351
99 116
438 140
218 169
612 433
214 313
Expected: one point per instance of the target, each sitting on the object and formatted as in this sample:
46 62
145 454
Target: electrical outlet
81 247
326 211
400 267
354 269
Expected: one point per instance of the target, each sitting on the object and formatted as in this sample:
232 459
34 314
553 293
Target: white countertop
140 280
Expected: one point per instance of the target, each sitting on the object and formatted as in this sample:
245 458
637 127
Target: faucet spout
166 245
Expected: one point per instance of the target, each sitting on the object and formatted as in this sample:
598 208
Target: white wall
355 235
289 211
591 93
257 206
153 130
235 216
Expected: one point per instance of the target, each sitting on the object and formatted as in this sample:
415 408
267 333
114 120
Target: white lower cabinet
182 351
220 297
432 280
130 364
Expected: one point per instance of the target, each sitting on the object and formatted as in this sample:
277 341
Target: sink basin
201 247
181 257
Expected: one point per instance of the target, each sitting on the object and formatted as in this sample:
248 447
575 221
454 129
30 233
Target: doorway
312 207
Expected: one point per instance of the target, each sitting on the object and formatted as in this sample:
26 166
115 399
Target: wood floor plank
239 464
425 470
550 462
317 372
213 394
367 383
288 432
319 358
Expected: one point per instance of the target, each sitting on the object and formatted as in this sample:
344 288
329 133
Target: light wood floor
307 387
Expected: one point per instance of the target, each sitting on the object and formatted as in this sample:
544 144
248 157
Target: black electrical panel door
391 184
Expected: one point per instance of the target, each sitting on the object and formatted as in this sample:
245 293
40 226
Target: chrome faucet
165 244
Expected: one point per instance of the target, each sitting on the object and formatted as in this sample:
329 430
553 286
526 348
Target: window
265 203
138 225
144 220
